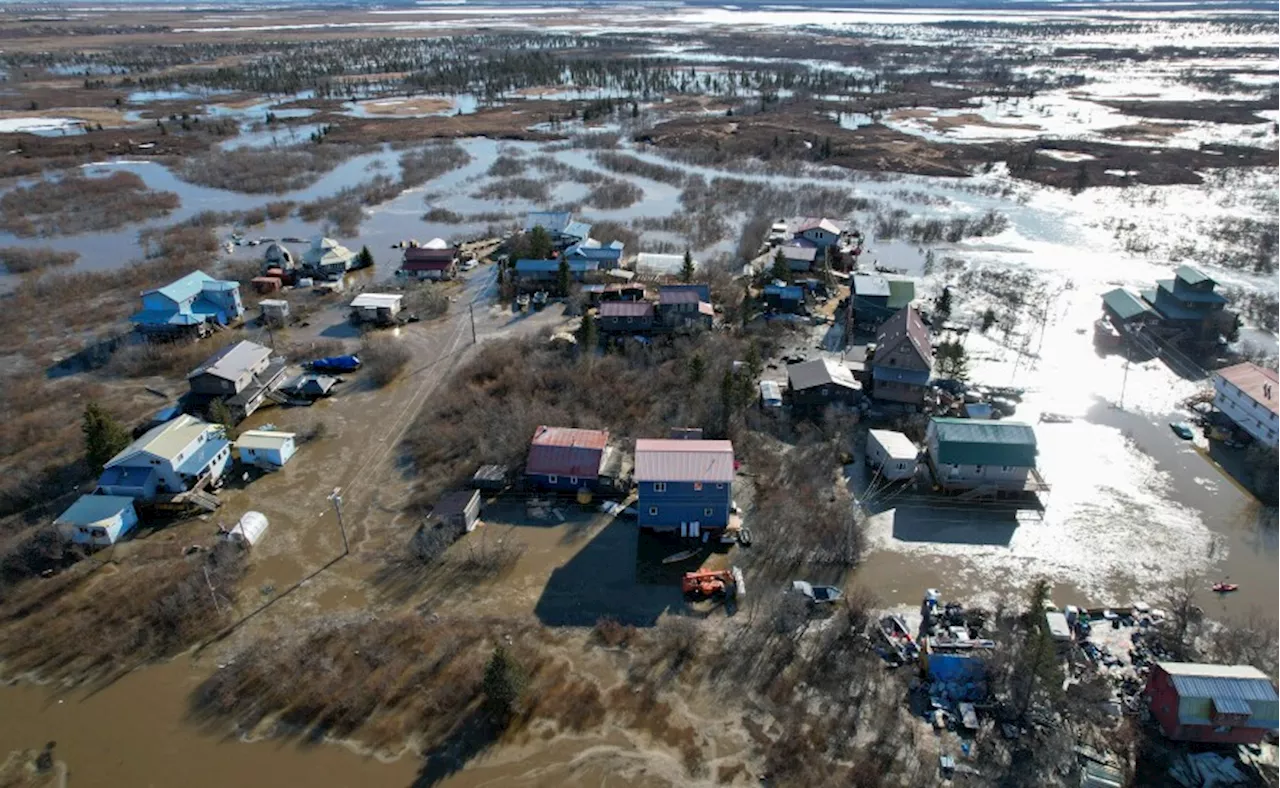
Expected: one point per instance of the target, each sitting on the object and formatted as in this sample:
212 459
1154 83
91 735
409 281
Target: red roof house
566 458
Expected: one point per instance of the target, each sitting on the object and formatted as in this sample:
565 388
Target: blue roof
787 293
703 291
192 465
184 288
577 229
606 253
551 221
550 266
912 377
94 508
126 476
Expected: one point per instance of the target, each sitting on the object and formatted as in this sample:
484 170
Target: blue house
1188 302
784 298
190 305
173 458
564 231
870 299
684 484
548 270
567 459
605 256
97 520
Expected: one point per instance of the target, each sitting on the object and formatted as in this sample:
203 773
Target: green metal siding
981 442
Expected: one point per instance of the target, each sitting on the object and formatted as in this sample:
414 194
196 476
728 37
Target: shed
266 448
460 509
97 520
1234 704
975 442
822 382
1123 307
250 528
376 307
490 477
566 458
266 284
274 309
892 454
770 395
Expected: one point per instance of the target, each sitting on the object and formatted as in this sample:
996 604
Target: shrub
76 204
21 260
384 359
504 683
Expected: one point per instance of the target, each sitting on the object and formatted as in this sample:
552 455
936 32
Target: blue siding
681 503
563 483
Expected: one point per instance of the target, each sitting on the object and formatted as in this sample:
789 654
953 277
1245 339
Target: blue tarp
336 364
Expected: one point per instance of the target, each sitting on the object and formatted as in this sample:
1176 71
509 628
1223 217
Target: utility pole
336 498
1124 382
472 307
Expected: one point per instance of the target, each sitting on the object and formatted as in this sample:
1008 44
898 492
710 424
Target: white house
969 454
892 454
376 307
97 520
1246 394
328 258
168 459
266 448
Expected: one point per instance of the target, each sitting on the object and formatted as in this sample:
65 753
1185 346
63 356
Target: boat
894 630
1225 588
1055 418
680 556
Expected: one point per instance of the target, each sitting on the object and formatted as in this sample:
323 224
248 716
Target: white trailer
892 454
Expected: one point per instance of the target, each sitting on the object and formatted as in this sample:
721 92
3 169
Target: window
720 486
697 486
552 479
977 469
1004 468
1222 729
573 480
706 512
659 487
653 511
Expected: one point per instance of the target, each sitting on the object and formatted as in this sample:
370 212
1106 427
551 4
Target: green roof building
967 454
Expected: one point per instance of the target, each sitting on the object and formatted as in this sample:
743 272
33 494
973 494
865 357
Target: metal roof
703 291
1125 304
89 509
802 253
626 309
1192 275
377 301
1254 381
263 439
901 293
184 288
529 266
454 503
564 451
668 460
1241 682
1170 286
785 292
871 285
981 442
653 263
816 223
904 327
165 440
895 444
232 361
819 372
678 296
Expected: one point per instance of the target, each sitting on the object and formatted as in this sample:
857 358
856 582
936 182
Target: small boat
680 556
1225 588
1055 418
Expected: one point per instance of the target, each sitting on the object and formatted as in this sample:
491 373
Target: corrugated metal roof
1125 304
1241 682
551 221
263 439
819 372
564 451
980 442
666 460
1192 275
529 266
165 441
1254 381
181 289
626 309
233 360
666 296
904 326
377 300
901 293
894 443
802 253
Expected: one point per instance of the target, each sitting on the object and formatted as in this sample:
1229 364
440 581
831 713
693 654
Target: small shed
1059 629
376 307
268 449
770 395
266 284
459 509
275 310
97 520
490 477
892 454
250 528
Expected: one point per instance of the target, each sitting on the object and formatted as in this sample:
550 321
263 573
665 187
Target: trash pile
1207 770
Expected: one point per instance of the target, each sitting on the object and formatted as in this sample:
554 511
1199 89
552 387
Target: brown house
903 362
425 262
625 316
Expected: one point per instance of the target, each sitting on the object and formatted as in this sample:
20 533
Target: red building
434 261
1229 704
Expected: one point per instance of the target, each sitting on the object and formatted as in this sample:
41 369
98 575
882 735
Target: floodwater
1131 505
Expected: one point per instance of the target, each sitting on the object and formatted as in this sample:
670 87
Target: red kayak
1224 588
